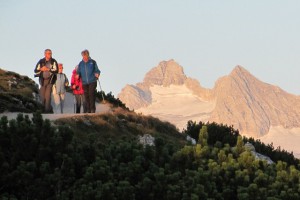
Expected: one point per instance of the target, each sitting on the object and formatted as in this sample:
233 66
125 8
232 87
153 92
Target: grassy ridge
122 123
18 96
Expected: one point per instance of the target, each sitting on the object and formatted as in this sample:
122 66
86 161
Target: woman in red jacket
76 85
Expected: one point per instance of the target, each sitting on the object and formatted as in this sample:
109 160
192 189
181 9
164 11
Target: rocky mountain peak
165 74
253 106
240 71
239 68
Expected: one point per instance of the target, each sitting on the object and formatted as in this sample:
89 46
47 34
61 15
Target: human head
85 55
48 54
60 68
75 74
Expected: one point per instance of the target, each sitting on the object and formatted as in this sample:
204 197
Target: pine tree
203 136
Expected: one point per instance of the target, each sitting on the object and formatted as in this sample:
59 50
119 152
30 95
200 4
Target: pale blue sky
127 38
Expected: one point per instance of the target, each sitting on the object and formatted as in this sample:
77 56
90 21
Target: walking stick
101 91
74 103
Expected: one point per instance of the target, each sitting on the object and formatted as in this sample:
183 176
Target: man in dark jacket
89 73
46 69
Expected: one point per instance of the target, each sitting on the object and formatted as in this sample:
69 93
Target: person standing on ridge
76 86
59 89
46 69
89 73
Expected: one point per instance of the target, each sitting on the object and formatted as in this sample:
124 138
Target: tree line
220 133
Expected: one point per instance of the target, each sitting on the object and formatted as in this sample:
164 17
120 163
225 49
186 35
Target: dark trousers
45 94
80 100
89 95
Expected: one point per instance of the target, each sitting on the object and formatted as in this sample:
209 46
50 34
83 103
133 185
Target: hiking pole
101 91
74 103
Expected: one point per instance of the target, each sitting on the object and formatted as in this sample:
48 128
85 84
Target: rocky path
68 110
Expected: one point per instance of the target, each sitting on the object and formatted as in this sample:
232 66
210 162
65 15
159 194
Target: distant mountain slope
238 99
167 73
253 106
177 104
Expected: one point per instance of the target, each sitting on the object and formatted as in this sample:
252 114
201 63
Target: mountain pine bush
39 160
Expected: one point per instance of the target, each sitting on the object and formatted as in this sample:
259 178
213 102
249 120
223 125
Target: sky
128 38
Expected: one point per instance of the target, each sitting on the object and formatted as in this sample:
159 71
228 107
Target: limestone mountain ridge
238 99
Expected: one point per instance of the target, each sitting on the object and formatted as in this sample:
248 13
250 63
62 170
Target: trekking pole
101 91
74 103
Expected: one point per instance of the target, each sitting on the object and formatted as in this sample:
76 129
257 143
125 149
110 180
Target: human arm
38 67
74 81
54 68
78 69
96 71
66 81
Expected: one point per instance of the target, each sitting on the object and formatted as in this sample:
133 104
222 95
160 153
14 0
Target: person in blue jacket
89 73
